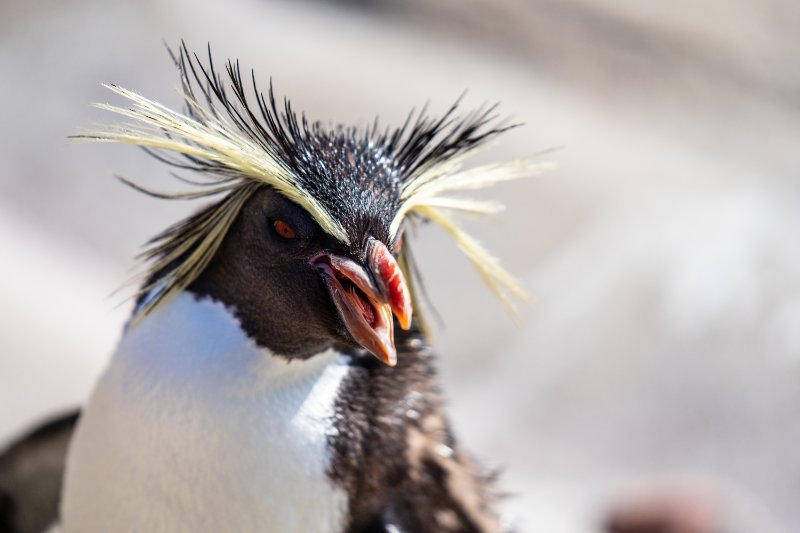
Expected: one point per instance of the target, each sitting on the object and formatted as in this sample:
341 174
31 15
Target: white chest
194 428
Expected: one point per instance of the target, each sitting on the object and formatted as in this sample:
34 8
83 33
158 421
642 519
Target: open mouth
366 306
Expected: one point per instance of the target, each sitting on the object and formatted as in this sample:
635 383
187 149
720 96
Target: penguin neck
190 404
195 336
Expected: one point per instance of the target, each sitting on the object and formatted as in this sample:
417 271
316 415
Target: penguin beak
367 297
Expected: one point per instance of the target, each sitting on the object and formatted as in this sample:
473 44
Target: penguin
275 374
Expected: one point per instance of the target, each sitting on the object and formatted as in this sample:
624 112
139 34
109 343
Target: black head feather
357 174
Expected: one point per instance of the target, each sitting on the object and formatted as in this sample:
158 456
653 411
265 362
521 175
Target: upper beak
367 297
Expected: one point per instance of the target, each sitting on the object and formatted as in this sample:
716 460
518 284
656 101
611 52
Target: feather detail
209 139
422 196
175 195
427 191
466 205
502 284
198 245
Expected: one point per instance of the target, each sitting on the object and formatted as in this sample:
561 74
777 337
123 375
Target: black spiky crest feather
238 149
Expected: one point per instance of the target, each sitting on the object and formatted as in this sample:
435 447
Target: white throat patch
194 428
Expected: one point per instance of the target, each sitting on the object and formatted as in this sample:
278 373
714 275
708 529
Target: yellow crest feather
158 127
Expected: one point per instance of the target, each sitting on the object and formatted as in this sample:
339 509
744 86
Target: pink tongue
365 307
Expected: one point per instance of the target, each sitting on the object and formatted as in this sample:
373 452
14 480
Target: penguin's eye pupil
284 229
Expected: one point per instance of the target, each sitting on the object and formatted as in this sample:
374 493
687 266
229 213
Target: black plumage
31 472
397 456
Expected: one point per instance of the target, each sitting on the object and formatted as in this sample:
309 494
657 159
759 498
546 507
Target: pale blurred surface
663 340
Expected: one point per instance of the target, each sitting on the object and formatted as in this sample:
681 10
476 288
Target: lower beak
366 302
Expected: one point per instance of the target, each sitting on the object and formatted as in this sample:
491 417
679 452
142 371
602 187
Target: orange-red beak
366 298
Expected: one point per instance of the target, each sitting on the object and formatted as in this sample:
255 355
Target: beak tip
386 354
405 321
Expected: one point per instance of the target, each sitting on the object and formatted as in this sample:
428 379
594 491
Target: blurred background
660 354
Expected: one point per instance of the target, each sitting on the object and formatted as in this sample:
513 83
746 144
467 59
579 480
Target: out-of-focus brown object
668 509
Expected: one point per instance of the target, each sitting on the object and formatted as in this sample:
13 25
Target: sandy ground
663 341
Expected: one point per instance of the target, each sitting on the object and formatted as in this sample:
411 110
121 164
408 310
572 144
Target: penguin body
275 375
195 428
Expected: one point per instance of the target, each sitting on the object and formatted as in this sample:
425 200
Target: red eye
284 229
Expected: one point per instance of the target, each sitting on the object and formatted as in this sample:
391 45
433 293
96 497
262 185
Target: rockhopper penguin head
305 239
297 289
